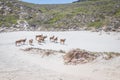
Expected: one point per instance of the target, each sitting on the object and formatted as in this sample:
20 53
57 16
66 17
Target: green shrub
8 20
43 9
117 14
95 24
56 18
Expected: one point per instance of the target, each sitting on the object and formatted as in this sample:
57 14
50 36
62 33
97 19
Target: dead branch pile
77 56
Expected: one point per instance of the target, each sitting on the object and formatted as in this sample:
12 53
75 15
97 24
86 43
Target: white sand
17 65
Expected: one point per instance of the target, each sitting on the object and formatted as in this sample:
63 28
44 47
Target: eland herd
40 39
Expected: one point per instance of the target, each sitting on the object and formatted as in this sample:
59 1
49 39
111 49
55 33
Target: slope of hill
89 14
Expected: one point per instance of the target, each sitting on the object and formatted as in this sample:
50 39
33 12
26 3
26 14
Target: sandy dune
17 65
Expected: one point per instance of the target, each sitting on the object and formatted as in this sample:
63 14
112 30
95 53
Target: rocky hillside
90 14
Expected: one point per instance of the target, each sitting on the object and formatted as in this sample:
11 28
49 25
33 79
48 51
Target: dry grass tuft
43 52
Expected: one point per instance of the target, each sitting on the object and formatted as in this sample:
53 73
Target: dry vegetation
78 56
87 15
43 52
75 56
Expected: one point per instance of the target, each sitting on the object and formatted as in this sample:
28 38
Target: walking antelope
21 41
52 38
30 41
62 41
37 36
41 39
44 37
55 39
